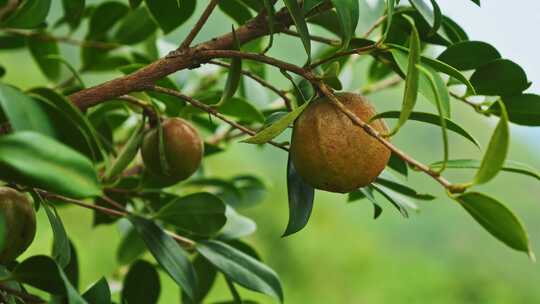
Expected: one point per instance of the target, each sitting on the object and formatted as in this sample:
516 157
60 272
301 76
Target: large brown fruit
184 150
20 223
333 154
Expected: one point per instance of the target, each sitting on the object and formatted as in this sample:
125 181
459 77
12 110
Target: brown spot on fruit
333 154
20 223
184 151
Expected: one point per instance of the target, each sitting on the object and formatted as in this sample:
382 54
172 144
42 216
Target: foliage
65 143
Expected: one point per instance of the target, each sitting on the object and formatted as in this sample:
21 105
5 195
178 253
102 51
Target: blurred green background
439 255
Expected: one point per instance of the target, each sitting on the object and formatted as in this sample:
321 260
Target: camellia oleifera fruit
330 152
183 149
20 223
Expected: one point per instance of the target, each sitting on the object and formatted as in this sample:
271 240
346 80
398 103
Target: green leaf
31 14
199 213
170 14
401 202
398 164
300 196
523 109
276 128
73 12
497 219
41 49
236 10
130 248
206 275
234 76
35 160
24 113
127 154
242 268
104 17
271 12
141 284
367 192
390 6
61 247
135 3
168 253
237 225
431 119
508 166
454 31
496 151
300 22
432 16
500 77
403 189
469 55
348 14
135 27
43 273
411 82
98 293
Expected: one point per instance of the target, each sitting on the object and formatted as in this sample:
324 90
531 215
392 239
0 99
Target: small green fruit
20 223
333 154
184 151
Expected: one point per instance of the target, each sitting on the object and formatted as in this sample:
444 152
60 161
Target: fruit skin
184 151
20 223
333 154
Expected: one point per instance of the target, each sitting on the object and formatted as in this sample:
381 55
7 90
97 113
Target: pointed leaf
61 247
301 197
300 22
509 166
469 55
98 293
348 14
141 284
30 14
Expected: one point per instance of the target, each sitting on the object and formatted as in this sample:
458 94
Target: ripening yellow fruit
333 154
20 223
184 151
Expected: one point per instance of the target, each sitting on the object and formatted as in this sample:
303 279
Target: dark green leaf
141 284
497 219
199 213
61 247
405 190
170 14
104 17
277 127
31 14
509 166
130 248
298 17
469 55
135 27
500 77
523 109
41 49
301 197
241 268
35 160
432 16
390 6
398 164
206 275
168 253
233 77
236 10
454 32
399 201
99 293
73 12
431 119
348 14
496 151
24 113
135 3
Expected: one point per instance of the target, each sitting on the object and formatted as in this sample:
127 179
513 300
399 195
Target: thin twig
264 83
213 112
63 39
112 202
313 37
358 51
375 25
199 25
381 85
28 298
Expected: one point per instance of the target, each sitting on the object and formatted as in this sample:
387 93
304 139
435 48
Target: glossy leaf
431 119
432 15
469 55
411 82
500 77
348 14
135 27
41 49
30 14
276 128
199 213
523 109
496 151
242 268
301 26
497 219
233 77
206 275
508 166
172 258
170 14
24 113
61 247
141 284
35 160
98 293
301 197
